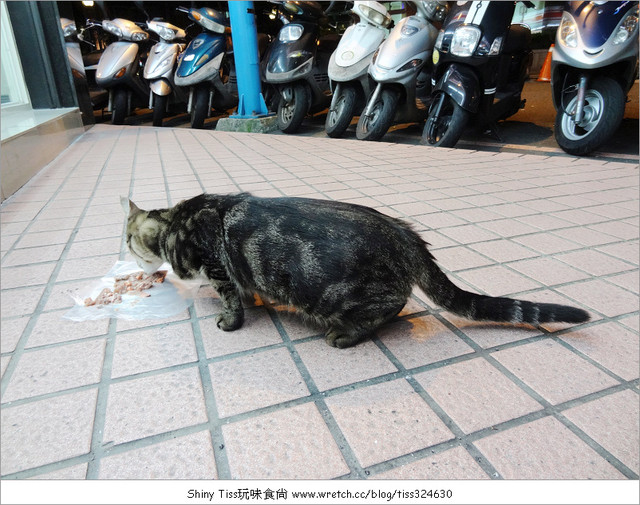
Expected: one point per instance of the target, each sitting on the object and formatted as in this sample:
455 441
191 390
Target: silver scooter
120 67
160 66
349 64
401 67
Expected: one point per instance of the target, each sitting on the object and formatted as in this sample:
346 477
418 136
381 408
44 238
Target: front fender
462 85
160 87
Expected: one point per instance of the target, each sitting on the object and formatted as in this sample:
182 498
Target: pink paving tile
508 227
476 395
44 238
187 457
155 404
56 369
257 331
98 247
51 328
632 322
255 381
497 280
594 262
461 258
387 420
553 371
587 236
330 367
296 326
10 333
4 363
420 341
292 443
46 431
133 324
544 449
468 233
86 268
100 232
153 349
30 275
503 250
454 464
611 345
603 297
612 421
628 251
629 281
19 302
548 271
546 243
618 229
75 472
31 255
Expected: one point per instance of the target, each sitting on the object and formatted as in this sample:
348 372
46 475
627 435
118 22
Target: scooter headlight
465 40
165 33
139 36
376 17
70 29
290 32
627 27
112 28
568 31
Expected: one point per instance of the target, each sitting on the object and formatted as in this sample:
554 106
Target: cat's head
142 236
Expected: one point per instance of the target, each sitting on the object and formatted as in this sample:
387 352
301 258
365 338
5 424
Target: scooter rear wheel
341 112
446 129
603 113
374 126
119 106
293 107
159 108
199 106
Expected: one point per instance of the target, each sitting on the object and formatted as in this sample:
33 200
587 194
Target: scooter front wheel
293 107
602 115
159 107
341 112
444 128
199 106
374 125
119 106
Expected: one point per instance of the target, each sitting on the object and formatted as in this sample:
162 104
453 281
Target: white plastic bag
165 299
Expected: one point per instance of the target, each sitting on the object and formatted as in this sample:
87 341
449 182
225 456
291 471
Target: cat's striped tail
445 293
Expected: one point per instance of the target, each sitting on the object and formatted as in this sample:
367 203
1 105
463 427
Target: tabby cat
348 267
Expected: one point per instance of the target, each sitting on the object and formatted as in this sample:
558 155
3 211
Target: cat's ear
128 206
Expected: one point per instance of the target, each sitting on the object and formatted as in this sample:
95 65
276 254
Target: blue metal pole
245 52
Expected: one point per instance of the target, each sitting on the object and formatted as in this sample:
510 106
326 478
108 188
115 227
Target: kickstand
492 131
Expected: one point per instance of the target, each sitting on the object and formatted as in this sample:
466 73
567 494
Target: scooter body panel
404 45
461 83
161 60
200 53
358 43
118 55
288 61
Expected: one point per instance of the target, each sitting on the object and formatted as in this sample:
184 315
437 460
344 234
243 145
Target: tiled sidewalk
432 397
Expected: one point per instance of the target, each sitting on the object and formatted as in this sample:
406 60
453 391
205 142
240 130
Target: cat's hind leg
360 324
232 315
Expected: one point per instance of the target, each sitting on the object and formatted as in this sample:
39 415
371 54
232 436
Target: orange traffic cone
545 71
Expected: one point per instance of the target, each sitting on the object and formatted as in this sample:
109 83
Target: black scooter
296 63
481 64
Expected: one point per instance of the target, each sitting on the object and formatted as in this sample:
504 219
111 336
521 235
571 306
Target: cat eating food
348 267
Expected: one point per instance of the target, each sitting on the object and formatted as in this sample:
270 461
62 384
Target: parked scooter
481 64
206 67
349 64
594 64
120 66
160 66
296 63
402 70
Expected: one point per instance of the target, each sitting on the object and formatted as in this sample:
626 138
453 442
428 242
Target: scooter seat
518 39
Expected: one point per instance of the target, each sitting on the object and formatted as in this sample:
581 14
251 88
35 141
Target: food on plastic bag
124 293
133 284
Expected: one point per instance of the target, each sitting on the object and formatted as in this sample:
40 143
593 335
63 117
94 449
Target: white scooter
349 64
119 68
160 66
402 69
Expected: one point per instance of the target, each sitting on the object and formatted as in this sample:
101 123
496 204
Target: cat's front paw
229 321
340 340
